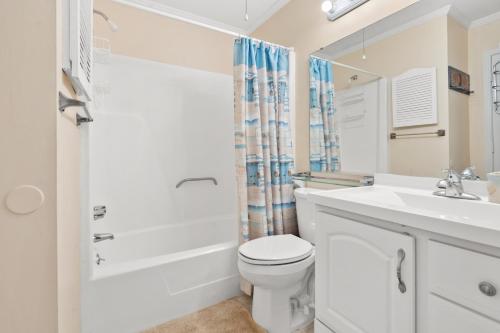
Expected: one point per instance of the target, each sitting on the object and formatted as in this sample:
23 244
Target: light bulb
363 56
326 6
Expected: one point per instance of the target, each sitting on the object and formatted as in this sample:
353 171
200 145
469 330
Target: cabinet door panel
357 285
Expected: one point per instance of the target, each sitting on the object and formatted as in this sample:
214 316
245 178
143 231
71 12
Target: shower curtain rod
165 12
346 66
261 40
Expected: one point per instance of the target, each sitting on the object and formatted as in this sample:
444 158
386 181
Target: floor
232 315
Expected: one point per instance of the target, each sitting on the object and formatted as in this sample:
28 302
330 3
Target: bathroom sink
419 209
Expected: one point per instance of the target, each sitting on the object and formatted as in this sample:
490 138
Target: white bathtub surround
395 258
175 249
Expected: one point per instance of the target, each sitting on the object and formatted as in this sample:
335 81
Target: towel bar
440 132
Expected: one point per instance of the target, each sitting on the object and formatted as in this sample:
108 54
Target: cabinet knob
488 289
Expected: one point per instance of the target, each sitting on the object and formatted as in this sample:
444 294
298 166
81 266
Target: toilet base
271 308
283 310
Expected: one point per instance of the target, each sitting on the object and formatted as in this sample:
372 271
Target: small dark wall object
459 81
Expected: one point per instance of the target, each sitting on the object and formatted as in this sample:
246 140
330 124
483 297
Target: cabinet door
357 287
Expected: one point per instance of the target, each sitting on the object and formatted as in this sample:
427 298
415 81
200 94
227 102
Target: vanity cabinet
365 277
462 290
453 287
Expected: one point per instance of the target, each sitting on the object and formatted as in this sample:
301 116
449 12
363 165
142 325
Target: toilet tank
305 213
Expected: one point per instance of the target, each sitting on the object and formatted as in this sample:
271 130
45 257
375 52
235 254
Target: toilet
281 269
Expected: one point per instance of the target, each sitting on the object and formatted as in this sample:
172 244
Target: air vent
78 37
414 98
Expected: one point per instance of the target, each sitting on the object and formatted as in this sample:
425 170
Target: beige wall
302 25
395 55
482 39
146 35
458 103
28 151
39 281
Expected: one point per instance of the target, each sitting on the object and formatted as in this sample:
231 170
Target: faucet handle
452 175
443 184
469 173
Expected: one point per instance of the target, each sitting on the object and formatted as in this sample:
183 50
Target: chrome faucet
469 173
452 187
102 237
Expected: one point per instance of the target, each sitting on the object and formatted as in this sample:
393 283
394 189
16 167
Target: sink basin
418 208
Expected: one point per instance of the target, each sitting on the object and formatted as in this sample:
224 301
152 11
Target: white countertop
409 201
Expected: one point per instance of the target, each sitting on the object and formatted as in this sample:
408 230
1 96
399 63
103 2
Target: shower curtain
263 143
324 146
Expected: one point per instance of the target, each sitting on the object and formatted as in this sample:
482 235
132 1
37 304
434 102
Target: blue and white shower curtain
263 143
323 139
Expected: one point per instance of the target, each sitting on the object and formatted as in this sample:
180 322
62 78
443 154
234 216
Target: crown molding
485 20
185 16
181 15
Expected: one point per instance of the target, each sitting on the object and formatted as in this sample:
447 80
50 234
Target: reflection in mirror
346 118
411 94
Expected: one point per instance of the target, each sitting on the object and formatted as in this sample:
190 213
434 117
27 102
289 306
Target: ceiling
467 12
221 14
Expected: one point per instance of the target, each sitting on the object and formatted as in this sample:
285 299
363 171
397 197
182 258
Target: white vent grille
79 65
414 98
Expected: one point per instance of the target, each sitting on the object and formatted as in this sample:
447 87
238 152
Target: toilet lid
275 250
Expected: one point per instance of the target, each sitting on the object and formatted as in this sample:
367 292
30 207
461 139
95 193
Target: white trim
275 7
177 14
487 109
185 16
154 7
292 105
383 156
485 20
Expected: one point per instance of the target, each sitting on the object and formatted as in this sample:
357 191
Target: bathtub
152 276
175 248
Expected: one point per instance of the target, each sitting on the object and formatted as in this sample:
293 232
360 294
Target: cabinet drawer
455 274
448 317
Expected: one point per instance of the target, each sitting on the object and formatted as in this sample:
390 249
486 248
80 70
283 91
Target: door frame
487 109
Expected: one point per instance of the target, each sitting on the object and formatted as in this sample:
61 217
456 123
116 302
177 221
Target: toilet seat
275 250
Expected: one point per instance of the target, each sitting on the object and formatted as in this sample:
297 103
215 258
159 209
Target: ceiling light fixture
326 6
337 8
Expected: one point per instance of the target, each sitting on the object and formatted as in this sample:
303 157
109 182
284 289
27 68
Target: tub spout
102 237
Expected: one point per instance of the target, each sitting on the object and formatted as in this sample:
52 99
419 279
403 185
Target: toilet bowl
281 269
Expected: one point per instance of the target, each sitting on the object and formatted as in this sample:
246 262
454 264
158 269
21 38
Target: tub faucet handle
99 259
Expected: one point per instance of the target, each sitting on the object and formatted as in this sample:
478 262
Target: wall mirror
412 94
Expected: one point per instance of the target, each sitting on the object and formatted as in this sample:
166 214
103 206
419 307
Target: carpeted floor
233 315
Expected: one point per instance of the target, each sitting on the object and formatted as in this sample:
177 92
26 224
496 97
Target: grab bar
179 184
66 102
